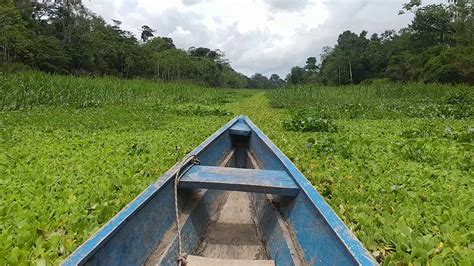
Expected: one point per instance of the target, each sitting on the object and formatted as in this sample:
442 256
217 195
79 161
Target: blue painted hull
290 224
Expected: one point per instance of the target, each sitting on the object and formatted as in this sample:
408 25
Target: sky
257 36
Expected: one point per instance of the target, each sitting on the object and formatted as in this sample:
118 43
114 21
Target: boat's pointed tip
242 117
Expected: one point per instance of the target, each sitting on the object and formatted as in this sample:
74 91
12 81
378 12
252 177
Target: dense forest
437 46
65 37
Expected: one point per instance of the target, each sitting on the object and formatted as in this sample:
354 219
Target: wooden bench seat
240 179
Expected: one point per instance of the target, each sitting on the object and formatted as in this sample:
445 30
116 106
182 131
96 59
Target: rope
194 161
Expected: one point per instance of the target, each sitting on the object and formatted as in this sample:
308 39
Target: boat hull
297 228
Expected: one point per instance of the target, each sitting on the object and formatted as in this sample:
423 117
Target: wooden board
203 261
240 129
240 179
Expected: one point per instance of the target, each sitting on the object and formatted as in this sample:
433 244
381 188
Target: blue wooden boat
241 201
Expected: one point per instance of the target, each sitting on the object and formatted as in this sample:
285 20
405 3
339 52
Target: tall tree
14 39
147 33
311 64
259 81
295 76
276 81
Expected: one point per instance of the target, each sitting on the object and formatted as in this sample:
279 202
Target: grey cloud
257 51
373 16
246 52
168 22
287 5
190 2
217 19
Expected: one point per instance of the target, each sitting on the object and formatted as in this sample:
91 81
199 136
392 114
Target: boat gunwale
100 237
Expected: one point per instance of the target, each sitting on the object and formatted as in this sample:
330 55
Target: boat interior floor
202 261
232 233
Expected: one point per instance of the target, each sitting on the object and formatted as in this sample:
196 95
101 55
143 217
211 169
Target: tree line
437 46
65 37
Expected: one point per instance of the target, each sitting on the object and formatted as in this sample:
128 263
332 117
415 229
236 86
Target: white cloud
266 36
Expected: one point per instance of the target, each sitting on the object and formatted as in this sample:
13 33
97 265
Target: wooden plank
240 129
240 179
198 261
227 158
